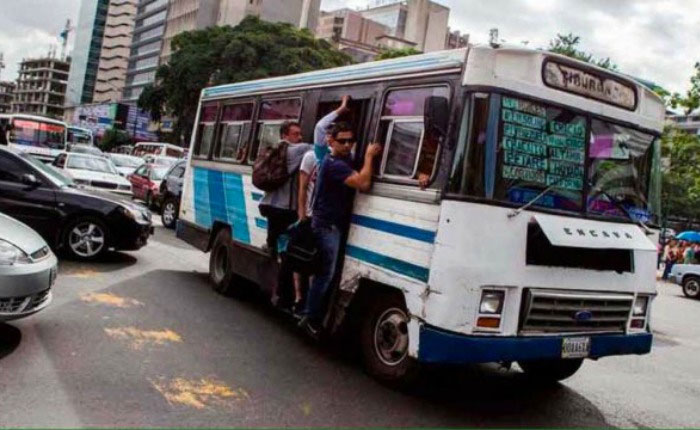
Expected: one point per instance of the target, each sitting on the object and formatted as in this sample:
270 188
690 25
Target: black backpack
270 169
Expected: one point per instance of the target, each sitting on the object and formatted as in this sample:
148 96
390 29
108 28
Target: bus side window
408 150
234 128
205 130
272 114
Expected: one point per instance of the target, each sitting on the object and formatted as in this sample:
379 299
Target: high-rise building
116 45
7 91
41 86
86 53
352 33
146 45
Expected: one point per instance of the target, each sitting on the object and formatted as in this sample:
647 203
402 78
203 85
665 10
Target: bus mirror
437 115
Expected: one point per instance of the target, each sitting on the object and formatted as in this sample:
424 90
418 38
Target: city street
142 340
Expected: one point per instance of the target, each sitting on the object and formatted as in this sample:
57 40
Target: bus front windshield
512 149
37 133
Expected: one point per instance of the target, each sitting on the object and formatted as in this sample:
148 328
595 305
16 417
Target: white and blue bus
42 137
530 245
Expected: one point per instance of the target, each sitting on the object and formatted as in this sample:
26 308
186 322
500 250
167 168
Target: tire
384 342
550 371
85 238
221 274
169 213
691 287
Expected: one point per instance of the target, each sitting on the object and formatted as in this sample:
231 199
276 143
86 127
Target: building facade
7 91
41 87
116 44
352 33
86 53
688 123
146 45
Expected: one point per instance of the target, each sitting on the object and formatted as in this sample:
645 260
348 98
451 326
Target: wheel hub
391 337
87 239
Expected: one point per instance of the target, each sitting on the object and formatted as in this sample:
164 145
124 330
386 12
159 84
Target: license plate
576 347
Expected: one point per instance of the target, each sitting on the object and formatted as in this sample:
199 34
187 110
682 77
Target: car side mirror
436 116
31 180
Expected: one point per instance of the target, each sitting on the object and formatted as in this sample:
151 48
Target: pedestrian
670 256
689 254
336 181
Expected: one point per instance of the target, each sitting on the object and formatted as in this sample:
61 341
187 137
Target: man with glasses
331 210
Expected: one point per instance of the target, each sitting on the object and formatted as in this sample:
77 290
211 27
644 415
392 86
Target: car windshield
93 164
532 146
126 161
50 172
158 173
83 149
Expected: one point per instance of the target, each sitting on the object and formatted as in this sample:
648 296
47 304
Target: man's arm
303 184
362 180
324 124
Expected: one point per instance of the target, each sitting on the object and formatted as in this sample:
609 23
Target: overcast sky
657 40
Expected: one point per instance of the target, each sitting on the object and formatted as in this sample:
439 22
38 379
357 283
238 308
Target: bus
41 137
531 245
80 136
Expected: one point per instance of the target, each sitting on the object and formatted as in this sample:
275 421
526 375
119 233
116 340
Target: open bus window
233 130
273 113
467 176
205 131
409 152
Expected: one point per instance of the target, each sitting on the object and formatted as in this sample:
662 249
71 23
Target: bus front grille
560 311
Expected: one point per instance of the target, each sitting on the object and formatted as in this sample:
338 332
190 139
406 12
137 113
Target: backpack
270 169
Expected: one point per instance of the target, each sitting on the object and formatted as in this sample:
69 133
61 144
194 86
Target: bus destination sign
589 84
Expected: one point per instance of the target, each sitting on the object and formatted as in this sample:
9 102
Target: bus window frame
258 123
244 139
197 143
403 180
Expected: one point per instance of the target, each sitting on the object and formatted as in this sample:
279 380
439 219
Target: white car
93 172
126 164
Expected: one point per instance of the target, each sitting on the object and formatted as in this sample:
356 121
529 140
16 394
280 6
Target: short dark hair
340 127
286 126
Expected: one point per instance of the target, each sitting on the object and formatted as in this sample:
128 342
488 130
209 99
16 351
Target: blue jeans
328 245
667 269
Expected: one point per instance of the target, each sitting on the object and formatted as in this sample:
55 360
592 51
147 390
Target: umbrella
690 236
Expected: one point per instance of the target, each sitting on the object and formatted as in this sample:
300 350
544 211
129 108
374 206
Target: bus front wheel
549 371
221 272
384 342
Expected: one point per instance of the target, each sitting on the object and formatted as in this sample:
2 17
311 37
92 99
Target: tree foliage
254 49
389 53
567 44
114 138
681 178
690 101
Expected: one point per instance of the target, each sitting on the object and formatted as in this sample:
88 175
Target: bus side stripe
394 228
389 263
201 198
237 208
217 200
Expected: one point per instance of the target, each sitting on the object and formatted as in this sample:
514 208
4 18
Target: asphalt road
141 340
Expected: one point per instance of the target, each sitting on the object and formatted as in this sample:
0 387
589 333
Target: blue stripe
217 200
426 236
236 209
261 223
202 211
256 196
389 263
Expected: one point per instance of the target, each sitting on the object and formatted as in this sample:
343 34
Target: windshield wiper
620 206
516 212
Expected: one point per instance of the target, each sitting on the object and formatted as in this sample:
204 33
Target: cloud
652 39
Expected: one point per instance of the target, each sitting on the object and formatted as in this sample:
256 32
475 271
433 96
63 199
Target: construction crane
2 62
64 37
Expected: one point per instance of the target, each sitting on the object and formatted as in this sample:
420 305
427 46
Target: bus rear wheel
384 342
221 272
550 371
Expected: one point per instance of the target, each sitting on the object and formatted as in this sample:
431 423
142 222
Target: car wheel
221 274
691 287
169 214
550 371
384 342
85 238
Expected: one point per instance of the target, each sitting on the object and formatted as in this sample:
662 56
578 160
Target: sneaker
311 328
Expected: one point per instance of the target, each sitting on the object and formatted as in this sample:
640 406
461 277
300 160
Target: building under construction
41 86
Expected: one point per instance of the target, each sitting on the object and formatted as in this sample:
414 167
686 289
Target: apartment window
234 128
147 48
160 16
154 32
145 63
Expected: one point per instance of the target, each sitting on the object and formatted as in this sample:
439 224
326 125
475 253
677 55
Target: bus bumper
437 346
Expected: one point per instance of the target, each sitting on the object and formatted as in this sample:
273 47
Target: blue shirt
332 196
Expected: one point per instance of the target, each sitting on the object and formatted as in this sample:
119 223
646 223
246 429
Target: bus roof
33 118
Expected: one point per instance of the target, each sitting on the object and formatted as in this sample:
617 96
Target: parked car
688 277
86 149
28 270
145 183
126 164
92 172
170 194
84 224
157 149
161 161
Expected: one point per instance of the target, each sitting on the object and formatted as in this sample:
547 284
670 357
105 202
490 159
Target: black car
170 194
82 224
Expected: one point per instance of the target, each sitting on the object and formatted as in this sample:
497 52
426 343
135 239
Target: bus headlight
641 303
491 302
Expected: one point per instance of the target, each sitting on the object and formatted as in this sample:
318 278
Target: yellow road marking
110 299
138 338
81 273
306 409
200 394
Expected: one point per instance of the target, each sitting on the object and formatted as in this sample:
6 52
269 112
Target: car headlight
641 303
491 302
10 254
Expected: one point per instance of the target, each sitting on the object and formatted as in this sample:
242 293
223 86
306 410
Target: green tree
567 44
690 101
254 49
681 177
152 100
114 138
389 53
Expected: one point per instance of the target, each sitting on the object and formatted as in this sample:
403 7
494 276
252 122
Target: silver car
28 270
